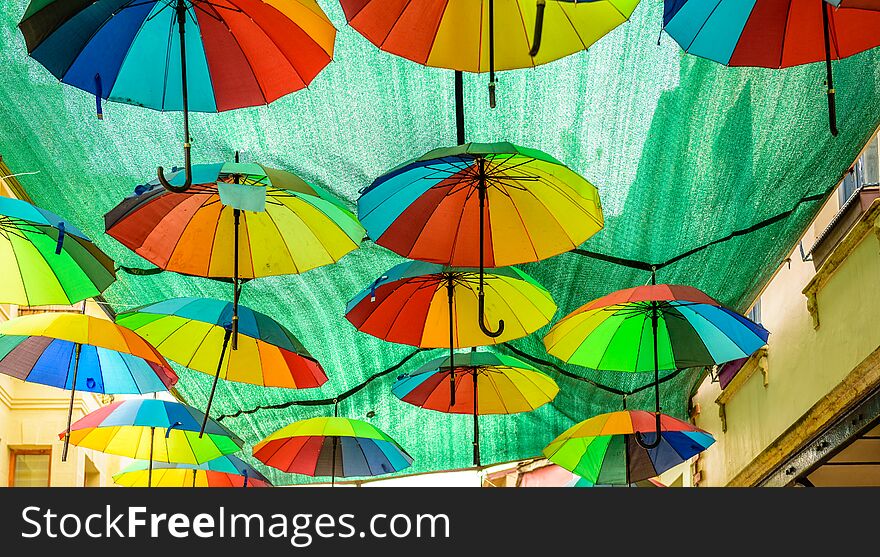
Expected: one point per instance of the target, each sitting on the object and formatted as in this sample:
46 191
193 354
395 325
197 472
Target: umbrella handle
482 319
539 28
656 440
245 474
829 74
181 23
172 426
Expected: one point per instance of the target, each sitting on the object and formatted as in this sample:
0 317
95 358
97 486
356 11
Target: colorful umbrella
606 449
225 471
241 52
47 260
481 204
239 221
478 36
772 33
81 353
432 306
335 447
660 326
126 428
195 332
498 384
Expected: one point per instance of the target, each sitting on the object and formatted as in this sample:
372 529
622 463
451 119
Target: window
852 181
29 467
755 313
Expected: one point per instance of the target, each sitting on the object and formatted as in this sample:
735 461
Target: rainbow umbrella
772 33
225 471
432 306
335 447
195 333
239 221
606 449
481 204
498 384
81 353
208 55
660 326
127 428
47 260
484 36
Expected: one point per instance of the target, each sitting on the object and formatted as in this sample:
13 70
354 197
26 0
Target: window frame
13 453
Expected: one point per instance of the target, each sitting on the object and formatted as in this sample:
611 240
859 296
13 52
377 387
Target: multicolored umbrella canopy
858 4
225 471
301 226
239 221
195 332
772 33
335 447
604 449
693 330
81 353
208 56
660 326
484 382
429 208
46 260
128 428
434 306
484 35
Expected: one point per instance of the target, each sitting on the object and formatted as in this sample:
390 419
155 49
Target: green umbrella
46 260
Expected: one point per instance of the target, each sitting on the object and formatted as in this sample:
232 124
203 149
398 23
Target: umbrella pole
481 297
459 107
491 54
181 24
655 317
150 472
194 477
450 294
216 378
539 27
829 77
335 441
72 395
236 215
476 421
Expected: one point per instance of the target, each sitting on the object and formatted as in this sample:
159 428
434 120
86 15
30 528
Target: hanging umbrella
660 326
481 205
238 221
127 428
772 33
606 449
335 447
432 306
483 36
225 471
485 383
195 333
47 260
81 353
204 55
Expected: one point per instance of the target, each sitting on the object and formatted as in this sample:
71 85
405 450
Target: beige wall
804 363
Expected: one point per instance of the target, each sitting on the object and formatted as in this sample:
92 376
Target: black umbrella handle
829 74
645 445
181 23
539 28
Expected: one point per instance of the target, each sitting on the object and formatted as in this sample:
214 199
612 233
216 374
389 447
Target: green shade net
684 152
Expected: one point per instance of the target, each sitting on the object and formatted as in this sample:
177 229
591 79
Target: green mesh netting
683 150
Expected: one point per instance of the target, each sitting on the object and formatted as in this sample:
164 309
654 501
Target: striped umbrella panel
226 471
37 272
428 209
454 34
313 456
768 33
49 361
413 308
193 233
191 331
239 53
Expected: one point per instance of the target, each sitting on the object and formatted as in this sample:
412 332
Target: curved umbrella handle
187 169
539 28
482 320
656 441
172 426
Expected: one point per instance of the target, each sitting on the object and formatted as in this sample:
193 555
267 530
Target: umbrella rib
703 25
